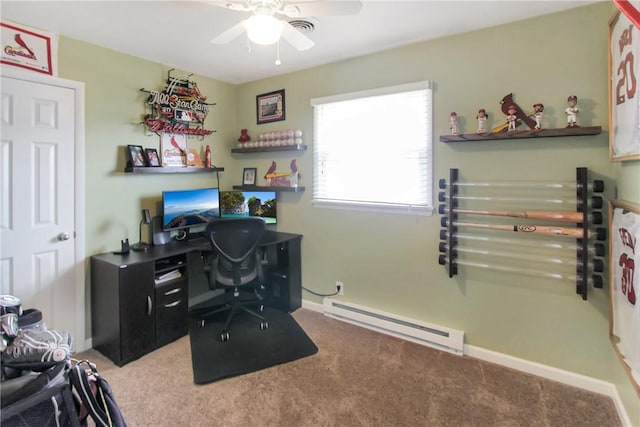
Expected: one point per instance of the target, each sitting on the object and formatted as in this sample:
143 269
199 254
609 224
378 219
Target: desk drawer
171 311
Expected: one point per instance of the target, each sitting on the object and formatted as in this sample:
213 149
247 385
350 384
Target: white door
38 257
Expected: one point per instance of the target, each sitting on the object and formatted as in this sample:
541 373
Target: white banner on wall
29 48
625 285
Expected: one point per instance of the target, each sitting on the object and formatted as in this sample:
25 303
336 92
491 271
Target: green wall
115 106
389 262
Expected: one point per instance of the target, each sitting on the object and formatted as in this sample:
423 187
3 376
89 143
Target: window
373 150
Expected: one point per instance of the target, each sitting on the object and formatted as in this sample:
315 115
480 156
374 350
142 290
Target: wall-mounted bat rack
588 239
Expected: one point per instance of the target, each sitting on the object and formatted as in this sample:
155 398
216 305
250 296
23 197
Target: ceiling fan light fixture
264 29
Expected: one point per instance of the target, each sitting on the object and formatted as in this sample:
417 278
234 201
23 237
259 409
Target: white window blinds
373 149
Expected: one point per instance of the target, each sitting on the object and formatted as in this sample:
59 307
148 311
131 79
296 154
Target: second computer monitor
244 203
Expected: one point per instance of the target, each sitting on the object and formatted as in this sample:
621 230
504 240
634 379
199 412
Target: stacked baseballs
275 139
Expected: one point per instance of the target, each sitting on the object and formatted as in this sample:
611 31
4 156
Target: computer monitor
244 203
184 209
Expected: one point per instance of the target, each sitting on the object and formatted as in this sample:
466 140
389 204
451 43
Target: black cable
321 295
218 178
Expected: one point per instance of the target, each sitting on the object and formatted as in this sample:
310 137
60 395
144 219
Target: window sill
375 207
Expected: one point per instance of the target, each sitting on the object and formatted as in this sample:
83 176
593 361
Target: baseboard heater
427 334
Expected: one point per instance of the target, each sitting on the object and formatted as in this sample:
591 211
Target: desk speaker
160 237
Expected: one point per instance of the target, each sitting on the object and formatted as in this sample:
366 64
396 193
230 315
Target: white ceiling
177 33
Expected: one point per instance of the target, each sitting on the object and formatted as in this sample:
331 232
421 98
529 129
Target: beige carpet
358 378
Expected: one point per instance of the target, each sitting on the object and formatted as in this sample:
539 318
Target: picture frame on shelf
624 102
173 147
624 285
136 156
153 160
270 107
249 176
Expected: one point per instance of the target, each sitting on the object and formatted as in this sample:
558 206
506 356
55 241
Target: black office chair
236 265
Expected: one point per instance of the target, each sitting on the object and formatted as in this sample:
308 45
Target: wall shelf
173 169
520 134
259 188
298 147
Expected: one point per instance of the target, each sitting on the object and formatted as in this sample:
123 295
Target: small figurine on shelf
244 136
482 117
453 123
507 103
538 109
295 174
282 179
270 172
512 117
207 157
572 111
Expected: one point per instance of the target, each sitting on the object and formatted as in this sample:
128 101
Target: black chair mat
249 349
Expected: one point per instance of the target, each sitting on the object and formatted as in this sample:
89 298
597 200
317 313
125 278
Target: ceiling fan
262 27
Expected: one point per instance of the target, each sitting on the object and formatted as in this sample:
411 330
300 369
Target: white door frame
80 335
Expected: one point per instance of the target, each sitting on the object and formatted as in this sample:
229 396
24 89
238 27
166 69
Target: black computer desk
134 310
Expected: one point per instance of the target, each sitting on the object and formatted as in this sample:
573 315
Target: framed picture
624 100
152 157
624 285
249 176
270 107
136 156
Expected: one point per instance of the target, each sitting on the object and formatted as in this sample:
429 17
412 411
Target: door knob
63 236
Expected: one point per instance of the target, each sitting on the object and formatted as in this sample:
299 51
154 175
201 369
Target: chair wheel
263 325
261 308
224 336
201 323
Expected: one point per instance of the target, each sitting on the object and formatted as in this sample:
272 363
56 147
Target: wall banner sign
624 89
28 48
624 280
179 109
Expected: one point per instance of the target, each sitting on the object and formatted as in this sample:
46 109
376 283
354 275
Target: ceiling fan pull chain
278 62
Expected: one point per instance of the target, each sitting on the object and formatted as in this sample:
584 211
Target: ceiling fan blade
322 8
230 34
233 5
295 37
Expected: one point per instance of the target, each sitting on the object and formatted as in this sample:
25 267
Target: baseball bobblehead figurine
482 117
512 118
453 123
538 109
572 111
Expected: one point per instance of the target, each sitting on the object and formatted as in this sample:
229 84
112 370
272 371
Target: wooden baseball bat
575 233
562 216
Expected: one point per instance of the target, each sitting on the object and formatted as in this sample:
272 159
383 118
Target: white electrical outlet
340 285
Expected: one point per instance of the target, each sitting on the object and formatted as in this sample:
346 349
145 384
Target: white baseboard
88 344
565 377
313 306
